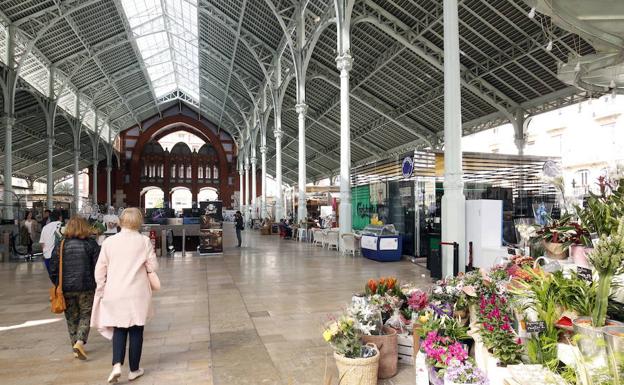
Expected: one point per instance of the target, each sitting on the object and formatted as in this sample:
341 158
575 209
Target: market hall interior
404 174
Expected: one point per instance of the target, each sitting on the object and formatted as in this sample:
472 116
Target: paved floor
253 316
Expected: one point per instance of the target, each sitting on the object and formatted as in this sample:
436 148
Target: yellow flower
327 335
423 318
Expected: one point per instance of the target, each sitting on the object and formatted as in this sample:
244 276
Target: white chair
317 237
350 244
331 240
302 234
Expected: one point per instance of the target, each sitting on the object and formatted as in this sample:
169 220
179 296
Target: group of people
106 287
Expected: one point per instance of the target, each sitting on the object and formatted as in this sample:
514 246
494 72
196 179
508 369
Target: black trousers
120 336
238 236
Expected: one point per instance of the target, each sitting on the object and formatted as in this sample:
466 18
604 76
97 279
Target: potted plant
556 236
464 373
441 351
368 322
357 364
495 317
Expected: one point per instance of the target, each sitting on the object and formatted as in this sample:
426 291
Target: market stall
555 319
381 243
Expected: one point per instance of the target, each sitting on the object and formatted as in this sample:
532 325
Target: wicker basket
358 371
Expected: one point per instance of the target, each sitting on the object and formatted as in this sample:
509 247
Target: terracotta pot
579 255
357 371
388 351
555 250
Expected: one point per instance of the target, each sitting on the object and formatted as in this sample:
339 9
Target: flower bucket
593 348
614 335
357 371
388 346
579 254
555 250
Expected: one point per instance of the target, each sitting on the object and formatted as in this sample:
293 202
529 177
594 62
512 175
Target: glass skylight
167 36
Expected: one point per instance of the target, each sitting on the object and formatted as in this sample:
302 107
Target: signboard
388 243
585 273
536 327
368 242
407 168
211 229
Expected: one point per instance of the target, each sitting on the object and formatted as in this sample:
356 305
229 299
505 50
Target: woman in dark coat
80 254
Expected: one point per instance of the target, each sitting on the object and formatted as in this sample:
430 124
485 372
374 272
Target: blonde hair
131 218
78 227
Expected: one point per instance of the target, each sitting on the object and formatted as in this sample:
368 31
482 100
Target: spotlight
549 46
577 67
532 13
612 84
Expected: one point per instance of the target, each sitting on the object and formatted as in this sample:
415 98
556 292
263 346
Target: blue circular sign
408 167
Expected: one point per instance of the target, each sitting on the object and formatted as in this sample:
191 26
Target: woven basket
357 371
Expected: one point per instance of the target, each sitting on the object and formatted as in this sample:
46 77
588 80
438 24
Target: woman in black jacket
80 254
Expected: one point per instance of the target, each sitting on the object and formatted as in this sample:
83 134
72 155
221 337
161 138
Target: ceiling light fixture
532 13
612 84
577 67
549 46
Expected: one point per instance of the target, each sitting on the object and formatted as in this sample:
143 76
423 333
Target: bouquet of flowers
382 286
367 317
344 337
441 351
465 373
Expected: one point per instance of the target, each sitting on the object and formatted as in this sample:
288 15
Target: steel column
279 194
9 122
76 179
345 63
254 191
50 174
263 208
246 189
302 109
453 200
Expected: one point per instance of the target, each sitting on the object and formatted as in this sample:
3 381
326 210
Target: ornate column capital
344 62
246 166
241 171
278 134
253 160
301 108
263 149
109 169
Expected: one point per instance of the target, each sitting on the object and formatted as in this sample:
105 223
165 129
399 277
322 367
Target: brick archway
169 125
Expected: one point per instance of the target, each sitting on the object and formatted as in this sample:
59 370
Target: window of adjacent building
173 171
215 172
200 173
208 172
189 172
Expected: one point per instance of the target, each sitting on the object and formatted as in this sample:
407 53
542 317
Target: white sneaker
134 375
115 374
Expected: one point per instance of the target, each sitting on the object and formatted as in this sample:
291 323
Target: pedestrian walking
123 298
78 253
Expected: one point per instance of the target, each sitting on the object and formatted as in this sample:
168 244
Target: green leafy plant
541 292
575 293
608 260
601 214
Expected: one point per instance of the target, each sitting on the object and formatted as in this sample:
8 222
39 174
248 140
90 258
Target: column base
453 229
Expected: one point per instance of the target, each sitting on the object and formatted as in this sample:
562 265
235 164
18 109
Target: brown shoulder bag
56 292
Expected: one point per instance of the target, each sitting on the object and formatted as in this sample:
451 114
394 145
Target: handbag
57 299
154 281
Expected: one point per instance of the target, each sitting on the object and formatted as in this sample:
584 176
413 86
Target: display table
382 248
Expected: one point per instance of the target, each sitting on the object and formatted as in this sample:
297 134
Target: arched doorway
207 194
181 197
153 197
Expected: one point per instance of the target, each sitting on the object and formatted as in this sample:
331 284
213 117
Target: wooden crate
406 349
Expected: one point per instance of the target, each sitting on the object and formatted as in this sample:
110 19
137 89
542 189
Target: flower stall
517 323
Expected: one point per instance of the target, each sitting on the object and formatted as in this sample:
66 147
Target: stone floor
252 316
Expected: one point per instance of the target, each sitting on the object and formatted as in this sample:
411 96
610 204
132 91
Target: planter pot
555 250
614 335
579 255
434 379
388 346
357 371
473 309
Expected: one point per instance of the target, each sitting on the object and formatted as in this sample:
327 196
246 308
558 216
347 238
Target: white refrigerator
484 228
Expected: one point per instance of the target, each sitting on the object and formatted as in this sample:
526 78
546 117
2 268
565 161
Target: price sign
536 327
585 273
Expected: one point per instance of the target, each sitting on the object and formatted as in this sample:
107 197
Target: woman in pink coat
123 298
